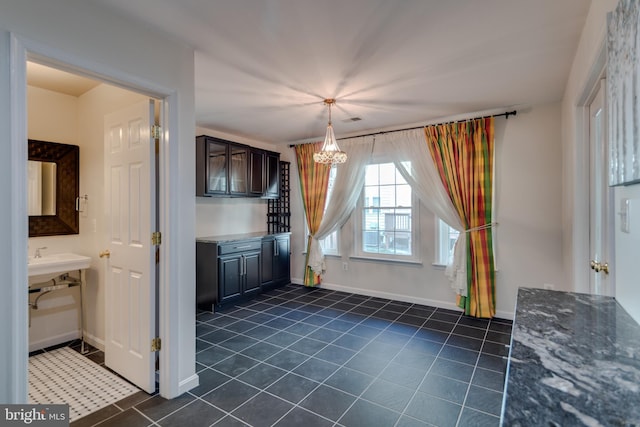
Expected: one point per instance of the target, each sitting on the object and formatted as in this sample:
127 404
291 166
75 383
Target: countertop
574 360
236 237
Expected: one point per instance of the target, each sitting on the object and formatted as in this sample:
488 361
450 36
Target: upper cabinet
229 169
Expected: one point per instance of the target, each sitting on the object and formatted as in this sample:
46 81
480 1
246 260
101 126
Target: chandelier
330 152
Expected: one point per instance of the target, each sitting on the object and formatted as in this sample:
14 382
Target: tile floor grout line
317 311
427 374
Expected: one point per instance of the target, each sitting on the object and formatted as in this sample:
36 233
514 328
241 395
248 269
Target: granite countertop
574 360
239 236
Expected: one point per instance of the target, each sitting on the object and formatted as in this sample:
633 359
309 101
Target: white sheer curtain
412 158
344 196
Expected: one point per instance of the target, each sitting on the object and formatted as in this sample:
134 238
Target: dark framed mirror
53 187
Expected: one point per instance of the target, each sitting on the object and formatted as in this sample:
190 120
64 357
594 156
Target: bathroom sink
48 266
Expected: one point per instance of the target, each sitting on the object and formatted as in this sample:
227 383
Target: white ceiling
263 67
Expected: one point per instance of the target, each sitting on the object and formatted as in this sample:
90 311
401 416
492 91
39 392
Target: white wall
575 187
90 37
627 245
53 117
528 237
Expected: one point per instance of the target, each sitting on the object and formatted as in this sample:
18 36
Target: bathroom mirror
53 188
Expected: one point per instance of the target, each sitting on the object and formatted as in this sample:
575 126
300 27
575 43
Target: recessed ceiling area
44 77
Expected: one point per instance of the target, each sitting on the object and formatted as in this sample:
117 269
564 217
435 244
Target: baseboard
398 297
94 341
54 340
188 383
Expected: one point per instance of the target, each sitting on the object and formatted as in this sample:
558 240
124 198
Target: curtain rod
505 114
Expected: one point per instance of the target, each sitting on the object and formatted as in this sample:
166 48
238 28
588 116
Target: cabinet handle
243 266
275 248
243 247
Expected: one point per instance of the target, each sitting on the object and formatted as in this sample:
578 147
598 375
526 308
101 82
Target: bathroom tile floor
315 357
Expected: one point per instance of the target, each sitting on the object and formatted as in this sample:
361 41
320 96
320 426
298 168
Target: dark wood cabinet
228 169
230 269
276 260
227 271
238 275
272 175
212 167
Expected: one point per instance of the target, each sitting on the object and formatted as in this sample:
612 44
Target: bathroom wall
54 117
79 120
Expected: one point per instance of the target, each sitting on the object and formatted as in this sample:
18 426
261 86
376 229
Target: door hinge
156 238
156 344
156 131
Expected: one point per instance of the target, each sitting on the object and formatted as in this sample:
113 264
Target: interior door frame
580 269
608 229
20 51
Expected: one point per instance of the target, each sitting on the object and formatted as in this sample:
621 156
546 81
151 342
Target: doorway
601 229
57 113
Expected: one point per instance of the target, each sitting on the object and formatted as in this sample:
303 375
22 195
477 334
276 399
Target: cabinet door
268 250
256 173
230 277
272 176
251 271
281 260
238 161
216 176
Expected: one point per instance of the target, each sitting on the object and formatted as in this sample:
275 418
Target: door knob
105 253
598 267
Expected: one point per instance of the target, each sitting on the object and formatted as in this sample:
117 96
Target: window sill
389 260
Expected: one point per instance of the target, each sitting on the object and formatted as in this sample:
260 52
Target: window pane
371 177
386 214
371 196
403 195
387 173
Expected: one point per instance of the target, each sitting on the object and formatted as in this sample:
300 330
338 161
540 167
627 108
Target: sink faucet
37 254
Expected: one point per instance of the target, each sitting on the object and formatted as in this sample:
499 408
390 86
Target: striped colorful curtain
314 182
463 155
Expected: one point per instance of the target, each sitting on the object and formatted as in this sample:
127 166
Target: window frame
357 218
335 235
441 241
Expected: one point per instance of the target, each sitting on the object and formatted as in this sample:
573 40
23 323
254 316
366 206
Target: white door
130 219
600 199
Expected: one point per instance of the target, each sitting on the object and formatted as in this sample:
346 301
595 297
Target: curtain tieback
481 227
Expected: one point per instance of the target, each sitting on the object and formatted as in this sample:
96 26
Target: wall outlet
345 266
549 286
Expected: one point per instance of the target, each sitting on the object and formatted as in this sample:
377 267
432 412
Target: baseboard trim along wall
54 340
398 297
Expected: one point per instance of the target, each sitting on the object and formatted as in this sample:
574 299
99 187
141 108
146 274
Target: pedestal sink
48 266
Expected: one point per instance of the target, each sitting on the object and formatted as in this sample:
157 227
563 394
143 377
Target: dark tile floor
315 357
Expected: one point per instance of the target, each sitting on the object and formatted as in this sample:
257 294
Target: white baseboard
54 340
94 341
188 384
398 297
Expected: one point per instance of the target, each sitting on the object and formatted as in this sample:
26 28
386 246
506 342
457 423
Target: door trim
169 308
579 278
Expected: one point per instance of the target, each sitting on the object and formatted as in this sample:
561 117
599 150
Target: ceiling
263 67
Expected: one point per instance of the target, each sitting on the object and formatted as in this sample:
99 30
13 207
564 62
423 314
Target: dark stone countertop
236 237
574 360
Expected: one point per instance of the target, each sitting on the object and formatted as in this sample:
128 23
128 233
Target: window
446 237
329 244
386 214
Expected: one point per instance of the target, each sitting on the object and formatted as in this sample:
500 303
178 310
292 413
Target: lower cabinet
276 260
227 271
238 275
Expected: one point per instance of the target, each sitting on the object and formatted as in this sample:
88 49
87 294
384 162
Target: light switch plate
624 215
